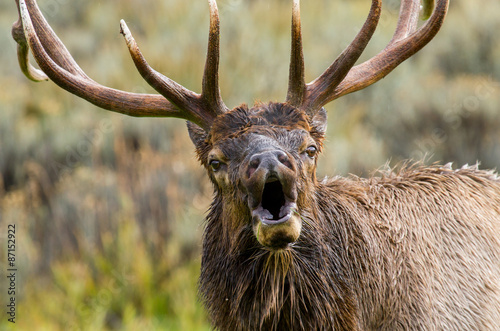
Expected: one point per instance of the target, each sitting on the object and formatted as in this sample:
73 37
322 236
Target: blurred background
109 209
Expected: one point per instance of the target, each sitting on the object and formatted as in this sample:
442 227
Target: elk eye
215 165
311 151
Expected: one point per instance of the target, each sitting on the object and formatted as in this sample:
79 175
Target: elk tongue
262 214
287 209
266 217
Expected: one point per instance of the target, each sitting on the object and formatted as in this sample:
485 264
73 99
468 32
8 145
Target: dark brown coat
412 249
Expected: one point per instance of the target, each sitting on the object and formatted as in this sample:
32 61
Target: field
109 209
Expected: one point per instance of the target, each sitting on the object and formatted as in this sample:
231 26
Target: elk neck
296 288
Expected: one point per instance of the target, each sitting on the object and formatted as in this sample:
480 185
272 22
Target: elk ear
198 135
319 121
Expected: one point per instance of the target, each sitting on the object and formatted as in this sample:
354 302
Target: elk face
263 162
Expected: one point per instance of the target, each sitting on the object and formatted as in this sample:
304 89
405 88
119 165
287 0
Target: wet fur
413 249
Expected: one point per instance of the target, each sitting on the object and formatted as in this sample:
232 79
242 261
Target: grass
109 208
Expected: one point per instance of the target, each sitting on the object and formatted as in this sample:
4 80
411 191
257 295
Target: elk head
262 160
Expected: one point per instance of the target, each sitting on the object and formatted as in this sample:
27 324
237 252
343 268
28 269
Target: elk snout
272 161
270 180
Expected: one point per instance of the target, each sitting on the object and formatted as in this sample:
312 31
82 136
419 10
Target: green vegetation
108 209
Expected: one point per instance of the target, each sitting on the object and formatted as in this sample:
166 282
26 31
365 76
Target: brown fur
413 249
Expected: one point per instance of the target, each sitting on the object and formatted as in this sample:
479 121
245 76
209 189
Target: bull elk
416 248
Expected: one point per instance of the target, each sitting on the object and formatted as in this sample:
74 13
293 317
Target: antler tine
407 41
341 77
407 21
205 106
58 52
23 49
312 96
180 96
321 88
33 31
62 70
296 80
210 86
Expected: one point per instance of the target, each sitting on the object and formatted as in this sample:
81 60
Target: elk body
413 249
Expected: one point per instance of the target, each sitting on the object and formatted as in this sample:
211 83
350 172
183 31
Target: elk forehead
242 130
241 119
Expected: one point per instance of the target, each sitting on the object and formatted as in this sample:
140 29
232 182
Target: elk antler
341 77
33 31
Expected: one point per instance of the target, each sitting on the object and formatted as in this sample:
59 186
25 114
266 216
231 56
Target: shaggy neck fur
306 287
410 250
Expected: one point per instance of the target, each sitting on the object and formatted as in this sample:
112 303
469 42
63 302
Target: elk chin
277 231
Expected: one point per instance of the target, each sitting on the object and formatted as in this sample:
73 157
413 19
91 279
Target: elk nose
270 161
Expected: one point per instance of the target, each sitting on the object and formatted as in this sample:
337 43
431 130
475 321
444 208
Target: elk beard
246 286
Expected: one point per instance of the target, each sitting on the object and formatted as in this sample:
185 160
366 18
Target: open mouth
275 207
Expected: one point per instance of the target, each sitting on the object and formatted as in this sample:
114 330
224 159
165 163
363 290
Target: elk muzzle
270 180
